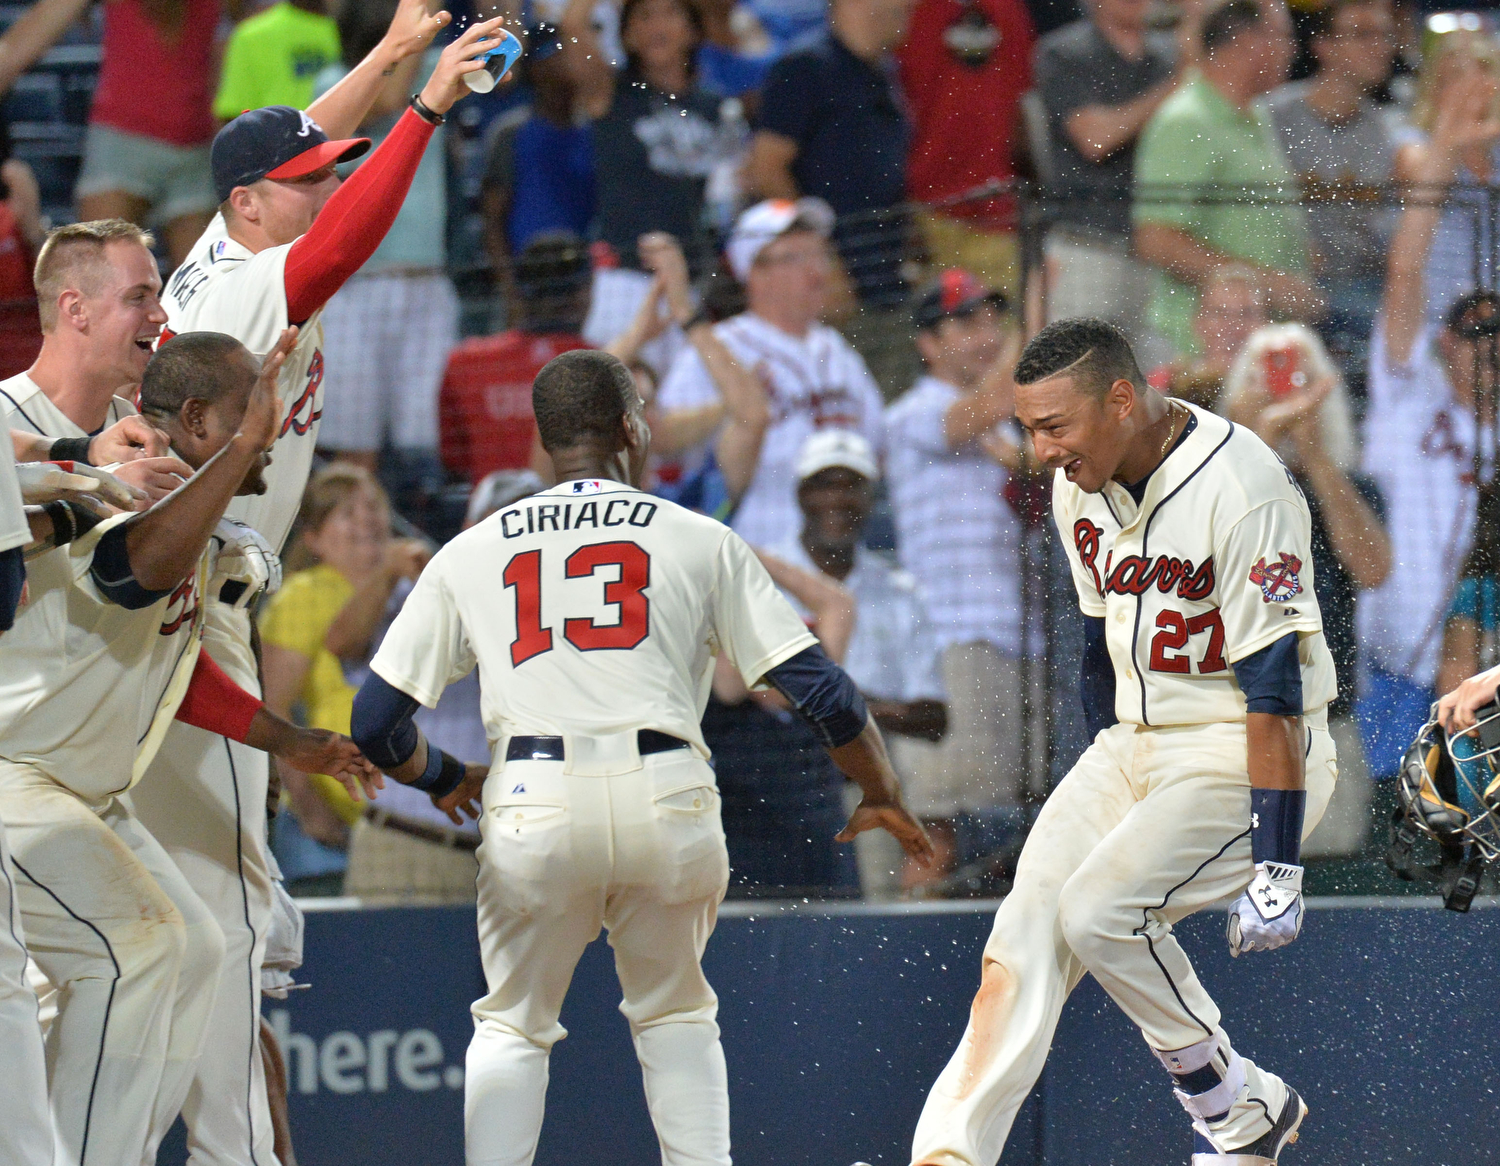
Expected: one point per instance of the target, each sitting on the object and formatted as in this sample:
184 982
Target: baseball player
287 237
1205 677
599 808
104 654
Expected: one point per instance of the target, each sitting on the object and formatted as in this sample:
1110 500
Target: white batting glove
244 556
1269 914
43 482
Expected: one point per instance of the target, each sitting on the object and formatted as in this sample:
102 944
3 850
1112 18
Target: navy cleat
1266 1151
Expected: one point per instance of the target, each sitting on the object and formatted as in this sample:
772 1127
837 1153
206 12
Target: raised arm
1466 118
35 31
994 401
347 106
361 211
1097 131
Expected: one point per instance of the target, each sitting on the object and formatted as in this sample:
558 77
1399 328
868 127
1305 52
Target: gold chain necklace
1171 431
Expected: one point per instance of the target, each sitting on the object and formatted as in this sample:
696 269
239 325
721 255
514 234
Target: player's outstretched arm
217 704
383 728
1269 914
344 108
865 762
827 699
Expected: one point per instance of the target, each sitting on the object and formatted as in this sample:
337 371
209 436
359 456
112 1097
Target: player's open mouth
144 344
1070 470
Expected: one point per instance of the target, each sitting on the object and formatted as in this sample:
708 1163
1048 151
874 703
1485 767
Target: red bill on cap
959 287
321 155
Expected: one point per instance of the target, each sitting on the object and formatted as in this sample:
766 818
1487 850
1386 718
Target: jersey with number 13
591 608
1213 565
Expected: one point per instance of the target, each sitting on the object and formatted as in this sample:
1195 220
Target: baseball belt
551 748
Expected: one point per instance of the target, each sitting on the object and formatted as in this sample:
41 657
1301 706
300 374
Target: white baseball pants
25 1125
132 951
1148 827
634 845
204 800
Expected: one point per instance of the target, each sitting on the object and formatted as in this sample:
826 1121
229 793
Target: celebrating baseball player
1205 677
103 655
287 237
599 808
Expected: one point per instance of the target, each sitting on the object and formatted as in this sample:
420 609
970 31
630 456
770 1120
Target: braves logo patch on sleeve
1277 581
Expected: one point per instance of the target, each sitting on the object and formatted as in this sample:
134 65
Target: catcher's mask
1449 791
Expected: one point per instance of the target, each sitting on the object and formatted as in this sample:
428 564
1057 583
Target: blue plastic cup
497 63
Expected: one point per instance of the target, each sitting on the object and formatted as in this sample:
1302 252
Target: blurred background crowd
818 231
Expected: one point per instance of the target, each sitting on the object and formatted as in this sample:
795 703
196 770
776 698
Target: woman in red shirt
145 157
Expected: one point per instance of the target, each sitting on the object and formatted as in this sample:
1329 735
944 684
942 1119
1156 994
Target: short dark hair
195 364
581 396
1228 20
1094 351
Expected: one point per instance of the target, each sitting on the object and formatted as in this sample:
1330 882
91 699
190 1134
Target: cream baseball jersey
15 531
1213 565
27 408
88 687
591 608
224 287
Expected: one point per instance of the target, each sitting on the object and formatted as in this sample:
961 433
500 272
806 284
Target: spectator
1339 145
317 636
964 67
143 160
811 376
657 138
1100 80
484 405
1426 383
1462 256
1231 307
403 848
539 176
1210 141
959 537
388 331
274 58
834 126
1312 430
21 234
892 653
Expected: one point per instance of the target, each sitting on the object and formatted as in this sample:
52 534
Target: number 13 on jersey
627 595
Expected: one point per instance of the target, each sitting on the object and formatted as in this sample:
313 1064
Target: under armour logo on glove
1269 914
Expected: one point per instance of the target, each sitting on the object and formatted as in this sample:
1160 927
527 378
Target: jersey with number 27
1213 565
590 609
223 286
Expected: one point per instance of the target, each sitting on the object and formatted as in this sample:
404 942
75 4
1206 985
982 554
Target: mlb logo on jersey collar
588 486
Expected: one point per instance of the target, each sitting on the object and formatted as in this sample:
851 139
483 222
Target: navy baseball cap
953 293
275 142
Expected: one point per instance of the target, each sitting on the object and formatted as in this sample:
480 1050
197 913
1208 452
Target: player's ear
193 417
71 309
1120 398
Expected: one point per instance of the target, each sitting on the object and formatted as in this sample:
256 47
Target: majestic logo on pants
1277 581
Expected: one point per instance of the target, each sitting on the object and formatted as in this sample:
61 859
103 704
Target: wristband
419 107
69 521
442 775
1276 825
70 449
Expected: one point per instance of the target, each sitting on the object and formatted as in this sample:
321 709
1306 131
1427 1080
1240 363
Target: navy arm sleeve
382 724
12 583
1096 679
1271 679
114 576
822 694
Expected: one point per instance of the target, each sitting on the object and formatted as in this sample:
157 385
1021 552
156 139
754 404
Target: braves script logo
1136 574
182 606
1277 581
308 399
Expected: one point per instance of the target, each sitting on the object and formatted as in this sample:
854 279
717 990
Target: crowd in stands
818 231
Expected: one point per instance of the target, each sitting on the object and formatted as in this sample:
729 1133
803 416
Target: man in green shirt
1212 186
274 57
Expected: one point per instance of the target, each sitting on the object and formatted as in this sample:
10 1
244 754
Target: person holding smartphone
1285 387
